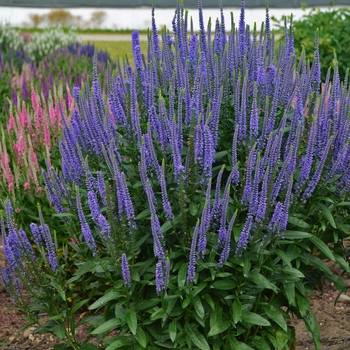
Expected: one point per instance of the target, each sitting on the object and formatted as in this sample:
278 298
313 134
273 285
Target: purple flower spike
126 271
191 271
243 239
241 30
160 285
136 49
226 250
85 228
275 221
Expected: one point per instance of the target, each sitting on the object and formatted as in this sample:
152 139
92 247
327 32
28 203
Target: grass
119 49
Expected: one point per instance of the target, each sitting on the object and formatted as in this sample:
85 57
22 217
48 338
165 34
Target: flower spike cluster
208 136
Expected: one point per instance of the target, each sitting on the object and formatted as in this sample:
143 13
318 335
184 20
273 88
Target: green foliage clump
334 35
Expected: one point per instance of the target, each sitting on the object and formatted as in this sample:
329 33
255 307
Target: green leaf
261 281
59 330
107 326
343 204
198 307
164 344
77 306
295 234
283 256
186 302
119 343
289 290
253 318
276 315
119 312
344 228
326 199
215 316
103 300
172 330
209 300
146 304
144 214
298 222
282 339
169 302
338 282
196 289
89 347
220 155
312 326
131 320
59 290
292 271
259 343
293 252
342 262
181 277
328 214
196 337
218 328
303 304
224 285
193 208
317 262
322 247
63 215
237 345
159 313
141 338
237 311
61 346
88 266
246 267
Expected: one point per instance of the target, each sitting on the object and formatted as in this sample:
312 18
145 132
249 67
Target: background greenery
334 36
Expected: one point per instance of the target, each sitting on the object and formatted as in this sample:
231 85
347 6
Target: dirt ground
334 323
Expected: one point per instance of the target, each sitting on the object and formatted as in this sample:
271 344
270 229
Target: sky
140 18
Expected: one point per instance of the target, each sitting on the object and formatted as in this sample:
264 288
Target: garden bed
334 322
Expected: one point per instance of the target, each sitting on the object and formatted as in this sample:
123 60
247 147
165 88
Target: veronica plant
201 191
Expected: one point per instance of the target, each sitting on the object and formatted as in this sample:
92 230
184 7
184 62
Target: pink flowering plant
201 194
69 64
29 141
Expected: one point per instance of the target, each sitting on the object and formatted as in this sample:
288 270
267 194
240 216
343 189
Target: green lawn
118 49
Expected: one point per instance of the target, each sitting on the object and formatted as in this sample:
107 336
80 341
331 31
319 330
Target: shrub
52 39
10 38
333 35
200 195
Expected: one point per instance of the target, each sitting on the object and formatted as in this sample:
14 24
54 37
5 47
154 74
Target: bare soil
334 322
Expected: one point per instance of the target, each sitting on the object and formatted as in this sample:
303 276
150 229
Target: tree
97 18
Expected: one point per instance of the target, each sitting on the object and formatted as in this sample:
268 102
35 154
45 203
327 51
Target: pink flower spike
27 186
47 140
70 99
34 159
11 123
10 186
74 240
24 115
38 115
35 102
52 114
